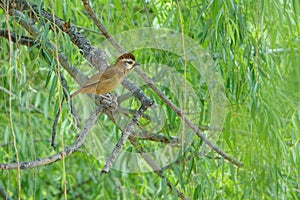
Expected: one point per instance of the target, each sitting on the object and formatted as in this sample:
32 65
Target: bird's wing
95 79
109 75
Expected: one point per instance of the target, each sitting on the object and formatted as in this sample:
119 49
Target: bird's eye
129 62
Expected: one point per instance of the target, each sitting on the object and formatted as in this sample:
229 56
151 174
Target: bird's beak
137 64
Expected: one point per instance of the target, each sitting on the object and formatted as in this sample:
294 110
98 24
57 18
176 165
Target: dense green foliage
255 47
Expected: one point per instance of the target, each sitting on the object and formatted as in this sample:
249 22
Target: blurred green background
255 48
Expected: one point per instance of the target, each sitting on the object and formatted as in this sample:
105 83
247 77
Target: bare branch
174 141
155 168
128 131
101 27
73 109
24 40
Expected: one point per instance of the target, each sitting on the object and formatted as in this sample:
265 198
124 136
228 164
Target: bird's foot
109 101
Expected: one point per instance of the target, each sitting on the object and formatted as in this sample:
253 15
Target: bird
108 81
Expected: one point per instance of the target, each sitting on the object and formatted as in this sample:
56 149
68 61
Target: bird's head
127 60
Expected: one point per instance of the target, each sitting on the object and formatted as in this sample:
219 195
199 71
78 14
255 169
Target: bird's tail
76 93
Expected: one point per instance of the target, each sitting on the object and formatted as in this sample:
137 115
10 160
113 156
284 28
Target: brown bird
109 80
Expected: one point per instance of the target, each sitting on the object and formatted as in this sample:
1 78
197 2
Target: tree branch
155 168
24 40
67 152
128 131
101 27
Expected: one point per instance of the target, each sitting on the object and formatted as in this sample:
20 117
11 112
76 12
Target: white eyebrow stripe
126 60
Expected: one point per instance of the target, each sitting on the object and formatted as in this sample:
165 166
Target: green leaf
52 89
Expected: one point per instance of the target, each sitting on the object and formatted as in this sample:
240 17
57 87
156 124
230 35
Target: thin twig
184 72
66 92
155 137
125 135
54 128
10 103
4 194
155 168
7 91
101 27
73 109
